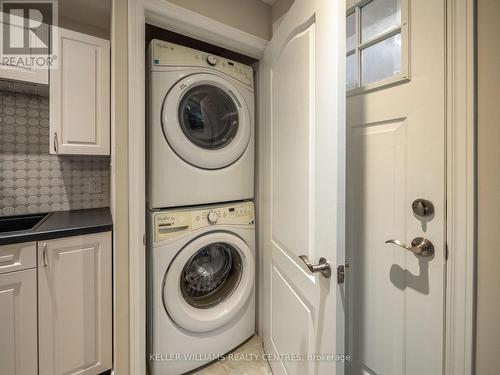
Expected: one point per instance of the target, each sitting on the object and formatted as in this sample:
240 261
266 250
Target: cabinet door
80 96
75 305
18 335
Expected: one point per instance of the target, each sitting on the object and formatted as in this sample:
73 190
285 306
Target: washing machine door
209 282
206 121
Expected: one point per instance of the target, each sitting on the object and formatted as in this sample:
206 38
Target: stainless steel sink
20 222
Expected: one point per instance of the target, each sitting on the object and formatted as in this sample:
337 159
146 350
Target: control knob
211 60
212 217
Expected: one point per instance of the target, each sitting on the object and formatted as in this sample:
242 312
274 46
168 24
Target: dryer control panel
170 54
171 224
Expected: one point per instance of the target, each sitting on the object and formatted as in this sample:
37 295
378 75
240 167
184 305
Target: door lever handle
323 266
419 246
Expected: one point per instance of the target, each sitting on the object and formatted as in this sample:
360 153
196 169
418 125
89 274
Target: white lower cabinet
18 349
75 305
68 330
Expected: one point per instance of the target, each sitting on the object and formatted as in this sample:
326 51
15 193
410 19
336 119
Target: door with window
396 186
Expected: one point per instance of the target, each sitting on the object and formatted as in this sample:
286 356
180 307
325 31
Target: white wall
488 294
251 16
92 17
279 9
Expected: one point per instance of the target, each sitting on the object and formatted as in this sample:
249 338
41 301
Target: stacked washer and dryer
201 222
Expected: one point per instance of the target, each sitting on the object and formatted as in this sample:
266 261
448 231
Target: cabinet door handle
44 254
56 143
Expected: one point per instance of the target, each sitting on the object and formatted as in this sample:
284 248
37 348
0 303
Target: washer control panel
171 224
170 54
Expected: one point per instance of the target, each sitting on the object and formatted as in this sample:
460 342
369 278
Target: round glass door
211 275
208 117
209 281
206 121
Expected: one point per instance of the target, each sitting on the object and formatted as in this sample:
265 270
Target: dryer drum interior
208 117
211 275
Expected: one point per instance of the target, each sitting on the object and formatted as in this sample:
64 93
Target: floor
247 359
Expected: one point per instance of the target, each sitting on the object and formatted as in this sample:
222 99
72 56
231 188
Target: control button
212 217
212 60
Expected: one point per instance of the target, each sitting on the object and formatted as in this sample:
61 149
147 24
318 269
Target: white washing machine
201 296
200 128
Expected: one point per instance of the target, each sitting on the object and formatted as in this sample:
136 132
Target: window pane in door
351 72
351 32
382 60
379 16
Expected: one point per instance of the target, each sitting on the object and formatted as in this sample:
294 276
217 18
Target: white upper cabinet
80 96
20 70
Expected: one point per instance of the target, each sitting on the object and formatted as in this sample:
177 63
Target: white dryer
200 128
201 296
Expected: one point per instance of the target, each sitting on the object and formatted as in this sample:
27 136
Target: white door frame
461 188
460 165
175 18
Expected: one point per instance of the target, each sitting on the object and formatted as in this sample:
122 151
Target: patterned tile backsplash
33 181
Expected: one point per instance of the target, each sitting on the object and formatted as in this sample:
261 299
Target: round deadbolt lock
422 208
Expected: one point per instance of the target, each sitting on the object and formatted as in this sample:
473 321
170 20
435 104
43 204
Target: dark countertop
63 224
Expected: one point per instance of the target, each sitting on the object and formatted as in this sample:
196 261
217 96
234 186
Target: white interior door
396 154
302 188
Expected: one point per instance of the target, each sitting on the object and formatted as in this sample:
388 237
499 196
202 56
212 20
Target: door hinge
341 274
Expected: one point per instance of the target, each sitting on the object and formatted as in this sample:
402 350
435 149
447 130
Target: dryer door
209 282
206 121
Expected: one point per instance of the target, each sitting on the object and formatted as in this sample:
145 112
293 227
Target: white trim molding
461 190
137 186
186 22
163 14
